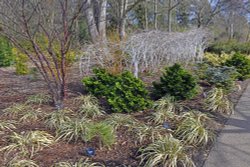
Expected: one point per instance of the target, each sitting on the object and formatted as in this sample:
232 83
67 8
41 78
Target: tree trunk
102 20
155 14
122 28
169 16
58 98
146 14
91 21
231 29
122 19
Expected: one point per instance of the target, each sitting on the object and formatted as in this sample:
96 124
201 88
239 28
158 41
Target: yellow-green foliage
21 62
216 59
6 55
43 43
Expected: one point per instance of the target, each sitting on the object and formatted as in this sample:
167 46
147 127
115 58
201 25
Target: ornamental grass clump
165 109
218 101
7 126
80 163
73 130
55 119
176 82
39 99
16 110
22 163
118 120
192 129
89 106
27 144
145 132
165 152
32 116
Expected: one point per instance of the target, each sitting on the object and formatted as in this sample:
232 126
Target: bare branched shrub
148 51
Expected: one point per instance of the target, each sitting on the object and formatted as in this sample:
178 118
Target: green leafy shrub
242 65
176 82
214 59
124 92
229 46
20 62
6 55
222 77
165 152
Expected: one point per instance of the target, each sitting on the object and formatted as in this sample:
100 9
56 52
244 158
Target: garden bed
16 89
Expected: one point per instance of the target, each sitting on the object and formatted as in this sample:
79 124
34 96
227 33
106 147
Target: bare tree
95 12
205 10
120 10
43 30
171 6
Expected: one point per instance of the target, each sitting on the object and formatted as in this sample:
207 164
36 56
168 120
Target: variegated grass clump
27 144
7 126
81 163
140 130
144 132
16 110
83 129
165 109
56 118
32 115
165 152
192 129
218 101
121 120
23 112
39 99
22 163
89 106
72 130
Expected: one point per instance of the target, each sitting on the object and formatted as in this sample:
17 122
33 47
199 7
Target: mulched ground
15 89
